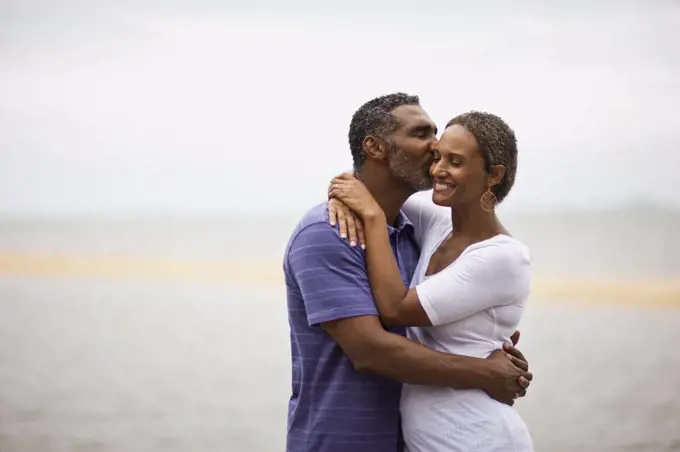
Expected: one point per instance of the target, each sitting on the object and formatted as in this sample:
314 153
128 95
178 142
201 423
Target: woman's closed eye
455 161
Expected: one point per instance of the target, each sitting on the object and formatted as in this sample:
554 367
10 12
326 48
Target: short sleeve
425 215
330 274
493 274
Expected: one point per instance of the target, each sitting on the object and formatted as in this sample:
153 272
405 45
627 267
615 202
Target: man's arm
372 349
333 281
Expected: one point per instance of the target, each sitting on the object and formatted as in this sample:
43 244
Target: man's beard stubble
406 169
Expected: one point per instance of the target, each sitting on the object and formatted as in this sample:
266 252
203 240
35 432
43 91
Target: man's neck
389 195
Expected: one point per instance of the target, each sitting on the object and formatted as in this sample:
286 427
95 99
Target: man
347 368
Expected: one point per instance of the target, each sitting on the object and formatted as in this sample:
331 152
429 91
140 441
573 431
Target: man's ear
375 147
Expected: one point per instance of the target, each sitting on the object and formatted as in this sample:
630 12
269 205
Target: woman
469 289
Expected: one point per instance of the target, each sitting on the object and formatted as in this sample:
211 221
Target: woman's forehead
457 137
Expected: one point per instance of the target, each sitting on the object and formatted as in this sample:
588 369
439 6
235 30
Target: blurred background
155 156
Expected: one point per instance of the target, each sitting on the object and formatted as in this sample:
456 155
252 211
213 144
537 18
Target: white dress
474 304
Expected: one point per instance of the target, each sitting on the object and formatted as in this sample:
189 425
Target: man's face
411 147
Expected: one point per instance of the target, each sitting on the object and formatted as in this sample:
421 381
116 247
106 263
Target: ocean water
618 245
97 354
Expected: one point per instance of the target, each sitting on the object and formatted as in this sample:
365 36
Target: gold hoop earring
488 200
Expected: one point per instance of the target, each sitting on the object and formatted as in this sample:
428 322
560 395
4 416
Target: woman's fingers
342 222
341 181
336 215
334 187
351 229
335 192
349 225
342 214
345 176
360 231
332 211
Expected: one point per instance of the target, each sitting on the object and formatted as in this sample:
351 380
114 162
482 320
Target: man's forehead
412 114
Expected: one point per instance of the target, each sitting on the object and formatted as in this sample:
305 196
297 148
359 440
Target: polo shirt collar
402 224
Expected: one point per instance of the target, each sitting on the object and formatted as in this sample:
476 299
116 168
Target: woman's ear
495 176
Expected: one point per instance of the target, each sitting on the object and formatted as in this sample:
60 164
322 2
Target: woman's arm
393 300
396 304
494 273
488 276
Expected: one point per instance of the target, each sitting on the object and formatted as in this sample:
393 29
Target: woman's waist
474 349
465 402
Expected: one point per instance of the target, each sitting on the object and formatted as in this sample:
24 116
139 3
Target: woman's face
458 169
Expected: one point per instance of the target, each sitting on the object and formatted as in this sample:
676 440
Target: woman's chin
440 199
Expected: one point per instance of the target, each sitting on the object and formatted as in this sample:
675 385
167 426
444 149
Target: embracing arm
372 349
332 280
490 275
396 304
394 300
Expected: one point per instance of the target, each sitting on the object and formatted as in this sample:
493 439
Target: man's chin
424 187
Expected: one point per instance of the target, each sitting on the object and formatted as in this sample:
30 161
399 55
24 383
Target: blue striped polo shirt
332 407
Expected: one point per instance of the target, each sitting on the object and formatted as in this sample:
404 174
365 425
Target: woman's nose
435 168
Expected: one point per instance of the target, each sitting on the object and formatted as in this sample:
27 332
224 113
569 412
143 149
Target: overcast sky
167 107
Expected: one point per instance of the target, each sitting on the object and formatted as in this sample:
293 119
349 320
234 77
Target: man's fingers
515 338
525 380
514 352
519 363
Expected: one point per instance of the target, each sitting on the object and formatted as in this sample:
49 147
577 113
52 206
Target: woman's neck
476 223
